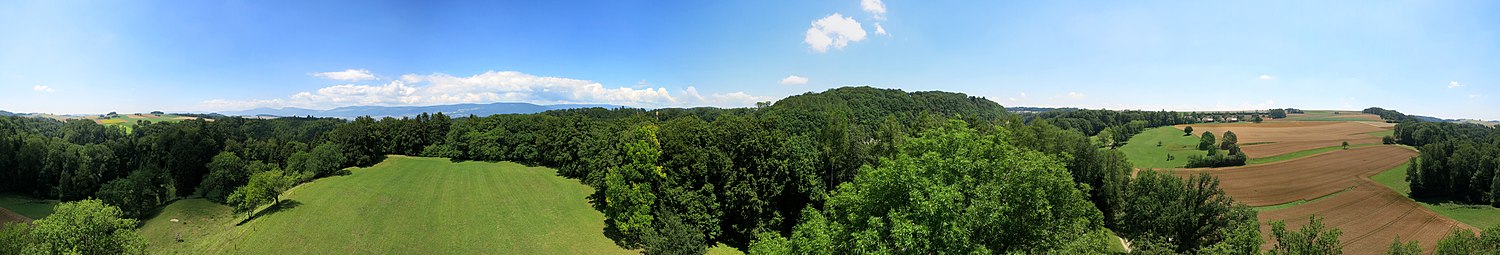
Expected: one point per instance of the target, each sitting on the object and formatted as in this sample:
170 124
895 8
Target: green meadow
1142 151
1479 216
405 205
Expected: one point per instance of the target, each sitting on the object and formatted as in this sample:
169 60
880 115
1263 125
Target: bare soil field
7 217
1305 178
1327 115
1370 216
1276 138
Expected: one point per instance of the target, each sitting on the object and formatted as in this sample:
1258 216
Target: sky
1435 58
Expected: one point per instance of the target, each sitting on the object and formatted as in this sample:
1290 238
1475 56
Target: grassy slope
1143 152
27 206
1479 216
405 205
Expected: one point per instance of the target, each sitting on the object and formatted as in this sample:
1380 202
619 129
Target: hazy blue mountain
455 110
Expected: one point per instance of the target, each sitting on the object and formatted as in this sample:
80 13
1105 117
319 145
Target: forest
848 170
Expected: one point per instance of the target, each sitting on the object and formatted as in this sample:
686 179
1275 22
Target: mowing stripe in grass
1302 153
1298 202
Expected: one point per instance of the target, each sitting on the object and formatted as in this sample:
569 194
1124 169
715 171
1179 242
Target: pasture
15 207
1143 152
128 121
404 205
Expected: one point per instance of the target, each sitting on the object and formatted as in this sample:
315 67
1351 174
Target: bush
1388 140
1216 160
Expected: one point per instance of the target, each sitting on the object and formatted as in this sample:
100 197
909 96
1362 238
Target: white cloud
836 31
1074 95
1454 85
347 75
879 30
1265 77
794 80
489 87
874 7
41 88
1477 96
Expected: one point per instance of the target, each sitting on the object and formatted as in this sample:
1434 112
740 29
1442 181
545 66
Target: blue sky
1437 58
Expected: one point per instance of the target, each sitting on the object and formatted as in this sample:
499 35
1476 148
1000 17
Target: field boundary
1274 207
1304 153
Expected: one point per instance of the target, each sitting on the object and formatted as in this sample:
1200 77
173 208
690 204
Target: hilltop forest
848 170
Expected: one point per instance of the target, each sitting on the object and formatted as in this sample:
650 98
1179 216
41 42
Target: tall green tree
85 227
1185 215
1207 141
1312 239
954 190
264 188
629 190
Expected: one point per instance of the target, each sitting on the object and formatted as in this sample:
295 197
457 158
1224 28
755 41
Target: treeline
848 170
1392 116
137 171
1458 161
1091 122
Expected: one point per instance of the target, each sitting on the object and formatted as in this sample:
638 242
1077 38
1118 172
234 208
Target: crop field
1305 178
405 205
1370 216
1298 169
1325 115
1276 138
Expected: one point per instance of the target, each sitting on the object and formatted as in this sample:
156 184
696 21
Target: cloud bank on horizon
487 87
1425 58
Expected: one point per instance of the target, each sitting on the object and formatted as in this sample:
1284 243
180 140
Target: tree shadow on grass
285 204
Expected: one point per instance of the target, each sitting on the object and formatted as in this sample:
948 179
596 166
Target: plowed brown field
1305 178
1370 216
7 217
1276 138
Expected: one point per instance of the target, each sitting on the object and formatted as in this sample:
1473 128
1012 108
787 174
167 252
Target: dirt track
7 217
1304 178
1276 138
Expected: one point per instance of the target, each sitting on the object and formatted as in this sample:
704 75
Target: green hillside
405 205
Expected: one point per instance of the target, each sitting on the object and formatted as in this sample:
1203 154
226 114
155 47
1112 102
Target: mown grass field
1143 152
405 205
1479 216
26 205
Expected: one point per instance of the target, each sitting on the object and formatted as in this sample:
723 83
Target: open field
1276 138
1305 178
405 205
1370 216
1298 169
27 206
1328 115
1478 216
1143 152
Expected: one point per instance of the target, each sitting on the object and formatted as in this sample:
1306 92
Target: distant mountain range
455 110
